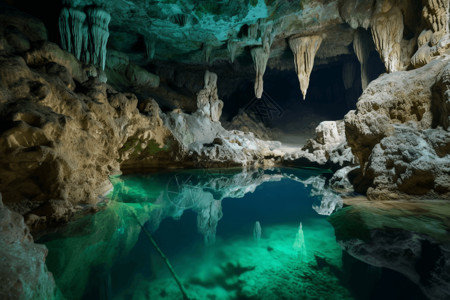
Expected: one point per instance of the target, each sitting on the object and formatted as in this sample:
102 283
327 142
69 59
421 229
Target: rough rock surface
329 148
23 272
394 136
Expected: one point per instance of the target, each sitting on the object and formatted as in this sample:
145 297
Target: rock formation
434 40
260 56
393 134
208 103
362 46
85 34
304 49
23 272
387 32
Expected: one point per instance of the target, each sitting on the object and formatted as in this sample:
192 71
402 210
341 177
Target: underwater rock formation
410 238
23 272
304 49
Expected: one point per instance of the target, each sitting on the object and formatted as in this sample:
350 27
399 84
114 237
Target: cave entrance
287 117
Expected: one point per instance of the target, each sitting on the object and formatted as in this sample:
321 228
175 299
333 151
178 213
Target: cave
257 149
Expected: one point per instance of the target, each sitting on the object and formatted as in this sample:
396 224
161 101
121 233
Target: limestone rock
362 45
411 163
304 49
260 56
387 32
208 102
23 272
243 122
328 149
393 133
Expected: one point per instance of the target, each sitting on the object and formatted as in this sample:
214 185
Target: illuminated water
204 222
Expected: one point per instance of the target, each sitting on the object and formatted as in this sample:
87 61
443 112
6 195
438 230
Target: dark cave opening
327 97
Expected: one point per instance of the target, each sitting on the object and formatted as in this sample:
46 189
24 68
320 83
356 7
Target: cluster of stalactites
387 32
361 46
304 49
435 39
85 34
260 56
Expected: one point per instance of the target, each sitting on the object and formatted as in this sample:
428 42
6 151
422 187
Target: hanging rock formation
150 46
85 35
260 55
348 74
304 49
387 32
362 45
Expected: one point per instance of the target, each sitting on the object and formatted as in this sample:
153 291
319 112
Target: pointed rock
304 49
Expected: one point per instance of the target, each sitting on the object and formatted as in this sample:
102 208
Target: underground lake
233 234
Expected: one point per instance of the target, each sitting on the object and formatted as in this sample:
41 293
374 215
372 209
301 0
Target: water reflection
203 191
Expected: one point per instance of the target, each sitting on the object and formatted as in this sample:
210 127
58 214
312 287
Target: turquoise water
259 234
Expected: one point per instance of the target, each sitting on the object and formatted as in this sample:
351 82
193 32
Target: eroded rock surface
395 133
23 272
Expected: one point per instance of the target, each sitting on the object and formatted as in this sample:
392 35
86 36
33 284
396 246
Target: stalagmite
150 46
257 231
232 48
387 32
348 74
361 45
304 49
299 244
98 20
260 56
208 102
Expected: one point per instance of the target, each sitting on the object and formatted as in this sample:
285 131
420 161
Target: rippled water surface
262 234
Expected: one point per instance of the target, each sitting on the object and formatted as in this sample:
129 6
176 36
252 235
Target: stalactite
207 49
77 19
304 49
150 46
348 74
232 47
64 28
260 56
361 45
98 20
387 32
85 54
253 31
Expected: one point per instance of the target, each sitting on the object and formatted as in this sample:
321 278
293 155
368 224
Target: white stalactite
304 49
85 54
253 31
232 47
387 32
260 56
361 46
99 21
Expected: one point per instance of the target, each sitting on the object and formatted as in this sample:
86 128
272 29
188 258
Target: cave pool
228 234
